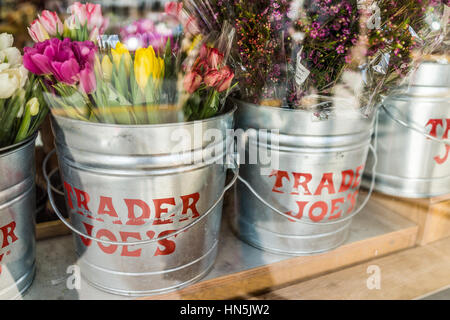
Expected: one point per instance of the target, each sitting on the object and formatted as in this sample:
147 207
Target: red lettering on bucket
435 124
139 213
346 185
279 179
302 183
169 245
125 236
326 183
188 205
132 218
159 210
301 206
106 207
9 237
69 192
323 211
8 233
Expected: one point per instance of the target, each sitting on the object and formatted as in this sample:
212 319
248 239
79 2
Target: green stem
22 134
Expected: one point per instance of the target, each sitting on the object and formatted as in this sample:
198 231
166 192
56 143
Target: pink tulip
88 82
88 14
204 50
201 66
78 11
95 17
215 58
213 78
69 62
37 31
173 8
51 23
227 75
189 24
192 81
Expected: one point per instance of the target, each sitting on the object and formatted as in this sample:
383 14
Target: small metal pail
145 201
305 202
17 219
413 138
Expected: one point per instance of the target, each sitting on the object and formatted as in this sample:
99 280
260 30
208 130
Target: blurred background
16 15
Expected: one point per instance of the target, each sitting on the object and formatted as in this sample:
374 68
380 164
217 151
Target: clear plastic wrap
22 107
325 54
153 71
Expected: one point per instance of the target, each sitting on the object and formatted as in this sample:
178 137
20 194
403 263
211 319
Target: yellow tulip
119 53
107 68
147 64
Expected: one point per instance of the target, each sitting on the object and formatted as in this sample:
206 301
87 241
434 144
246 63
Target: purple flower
340 49
314 33
144 33
70 62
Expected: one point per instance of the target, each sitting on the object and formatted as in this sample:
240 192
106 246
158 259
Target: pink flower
88 82
37 31
88 14
95 18
173 8
227 75
78 13
204 51
51 23
69 62
340 49
213 78
202 66
215 58
192 81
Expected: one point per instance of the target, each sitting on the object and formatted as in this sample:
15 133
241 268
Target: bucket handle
142 242
413 127
372 185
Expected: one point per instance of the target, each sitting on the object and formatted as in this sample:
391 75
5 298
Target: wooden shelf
432 215
409 274
375 232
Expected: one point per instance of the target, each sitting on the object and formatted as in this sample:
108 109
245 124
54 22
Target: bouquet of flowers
261 43
411 32
22 107
324 54
182 76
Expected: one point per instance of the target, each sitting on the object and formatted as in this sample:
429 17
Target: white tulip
23 75
9 83
4 66
12 56
6 41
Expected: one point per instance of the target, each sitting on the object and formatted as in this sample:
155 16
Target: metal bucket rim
280 109
226 114
17 146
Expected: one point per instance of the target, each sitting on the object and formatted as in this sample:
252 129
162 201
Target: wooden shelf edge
246 283
410 274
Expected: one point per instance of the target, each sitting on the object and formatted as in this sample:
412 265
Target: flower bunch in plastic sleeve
324 54
22 108
141 77
260 50
410 32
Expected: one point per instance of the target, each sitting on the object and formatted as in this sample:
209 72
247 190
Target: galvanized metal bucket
17 219
413 138
306 203
144 205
